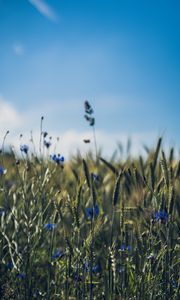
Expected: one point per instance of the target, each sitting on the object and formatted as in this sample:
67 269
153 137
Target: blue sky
123 56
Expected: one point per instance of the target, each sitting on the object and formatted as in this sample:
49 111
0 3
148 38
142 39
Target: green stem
91 263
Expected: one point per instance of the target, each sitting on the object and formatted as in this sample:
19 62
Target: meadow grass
89 228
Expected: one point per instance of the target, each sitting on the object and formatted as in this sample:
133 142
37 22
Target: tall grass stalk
116 234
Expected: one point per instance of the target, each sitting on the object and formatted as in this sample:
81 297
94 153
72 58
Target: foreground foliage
89 228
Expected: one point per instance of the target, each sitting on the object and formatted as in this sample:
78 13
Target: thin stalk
66 283
112 225
111 279
49 269
91 264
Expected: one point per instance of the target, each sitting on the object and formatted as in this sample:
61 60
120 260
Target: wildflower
2 170
161 215
95 177
57 158
123 247
92 212
9 265
47 144
49 226
57 254
129 248
24 148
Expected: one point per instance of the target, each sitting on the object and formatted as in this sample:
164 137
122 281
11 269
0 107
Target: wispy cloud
18 49
71 140
44 9
10 118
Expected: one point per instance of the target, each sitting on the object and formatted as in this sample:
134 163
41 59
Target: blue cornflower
95 177
10 265
92 212
2 170
57 254
49 226
47 144
161 216
57 158
24 148
123 247
129 248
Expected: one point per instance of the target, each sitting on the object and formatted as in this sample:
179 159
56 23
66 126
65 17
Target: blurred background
121 56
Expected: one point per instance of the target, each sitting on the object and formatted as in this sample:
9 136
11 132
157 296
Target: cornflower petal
9 265
122 247
92 212
57 254
129 248
89 212
57 158
161 215
95 177
96 210
2 170
49 226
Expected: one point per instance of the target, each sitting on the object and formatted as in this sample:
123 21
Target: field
89 228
